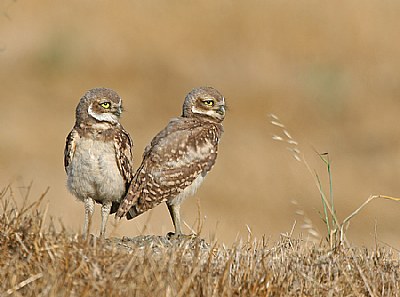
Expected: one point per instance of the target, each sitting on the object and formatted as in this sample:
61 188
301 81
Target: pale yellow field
330 71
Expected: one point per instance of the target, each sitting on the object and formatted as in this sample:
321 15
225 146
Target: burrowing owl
178 158
97 156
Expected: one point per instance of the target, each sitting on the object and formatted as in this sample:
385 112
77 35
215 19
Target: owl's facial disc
205 101
210 106
105 110
110 106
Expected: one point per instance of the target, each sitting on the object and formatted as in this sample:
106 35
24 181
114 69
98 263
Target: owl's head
206 102
100 105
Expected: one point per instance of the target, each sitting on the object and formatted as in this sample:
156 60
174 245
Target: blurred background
330 71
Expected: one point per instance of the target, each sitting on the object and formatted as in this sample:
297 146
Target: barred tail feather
126 204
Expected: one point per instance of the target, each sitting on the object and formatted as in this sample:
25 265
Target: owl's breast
94 171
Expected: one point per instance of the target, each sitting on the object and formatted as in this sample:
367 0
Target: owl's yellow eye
209 102
106 105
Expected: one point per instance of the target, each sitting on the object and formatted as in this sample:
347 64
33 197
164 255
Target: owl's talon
172 236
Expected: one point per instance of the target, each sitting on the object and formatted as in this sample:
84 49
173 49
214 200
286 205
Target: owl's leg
89 209
105 212
176 217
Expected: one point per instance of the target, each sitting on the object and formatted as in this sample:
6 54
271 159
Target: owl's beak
118 111
221 110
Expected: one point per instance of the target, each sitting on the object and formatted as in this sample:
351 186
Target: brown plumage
179 157
97 156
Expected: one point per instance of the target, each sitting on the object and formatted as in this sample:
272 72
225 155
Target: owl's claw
172 236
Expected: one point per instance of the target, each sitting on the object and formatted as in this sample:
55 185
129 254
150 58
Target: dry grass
38 260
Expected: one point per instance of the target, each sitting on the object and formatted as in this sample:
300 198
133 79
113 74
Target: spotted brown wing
181 152
70 147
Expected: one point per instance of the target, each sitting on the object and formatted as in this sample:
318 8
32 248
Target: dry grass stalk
344 224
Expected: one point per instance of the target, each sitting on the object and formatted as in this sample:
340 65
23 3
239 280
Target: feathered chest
94 154
93 171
